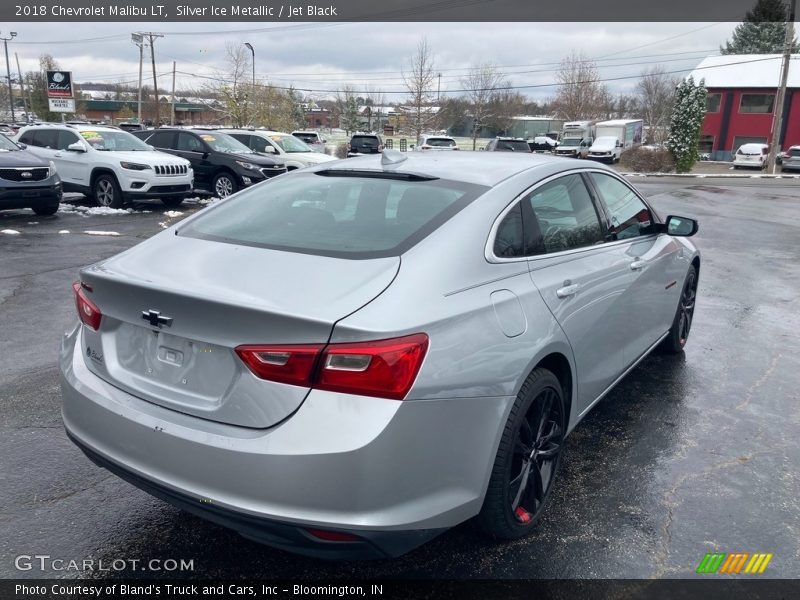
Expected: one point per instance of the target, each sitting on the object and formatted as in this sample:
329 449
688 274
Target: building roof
746 71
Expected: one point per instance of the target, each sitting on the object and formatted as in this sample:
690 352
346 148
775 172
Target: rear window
348 216
794 151
441 142
512 146
365 140
308 138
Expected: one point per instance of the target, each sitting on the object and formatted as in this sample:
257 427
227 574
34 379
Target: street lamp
253 52
8 75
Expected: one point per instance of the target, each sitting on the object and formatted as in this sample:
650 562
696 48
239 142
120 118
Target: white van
606 149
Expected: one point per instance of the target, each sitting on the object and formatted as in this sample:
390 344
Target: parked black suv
507 144
365 143
27 181
222 165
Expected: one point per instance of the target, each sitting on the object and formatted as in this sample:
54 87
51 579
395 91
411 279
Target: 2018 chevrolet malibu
348 360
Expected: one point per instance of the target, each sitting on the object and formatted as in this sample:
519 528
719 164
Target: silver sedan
350 359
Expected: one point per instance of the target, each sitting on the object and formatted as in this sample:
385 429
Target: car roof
480 168
753 146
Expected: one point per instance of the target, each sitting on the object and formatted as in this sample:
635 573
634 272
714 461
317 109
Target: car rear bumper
395 474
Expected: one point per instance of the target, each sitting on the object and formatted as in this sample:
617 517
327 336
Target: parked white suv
290 149
110 165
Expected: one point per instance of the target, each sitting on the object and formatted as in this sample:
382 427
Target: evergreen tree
687 119
762 32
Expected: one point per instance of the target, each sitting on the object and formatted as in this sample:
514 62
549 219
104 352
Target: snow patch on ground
93 232
172 214
96 210
33 222
203 201
63 231
9 231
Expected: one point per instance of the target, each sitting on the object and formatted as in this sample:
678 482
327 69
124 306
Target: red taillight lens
332 536
284 364
88 312
386 368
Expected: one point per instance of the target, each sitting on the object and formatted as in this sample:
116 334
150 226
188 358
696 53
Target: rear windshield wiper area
375 174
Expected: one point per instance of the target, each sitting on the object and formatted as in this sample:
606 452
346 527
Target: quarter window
508 241
565 216
629 216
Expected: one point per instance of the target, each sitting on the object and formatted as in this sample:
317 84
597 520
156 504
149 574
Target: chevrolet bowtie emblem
155 319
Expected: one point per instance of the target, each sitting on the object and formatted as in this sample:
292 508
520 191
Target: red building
742 89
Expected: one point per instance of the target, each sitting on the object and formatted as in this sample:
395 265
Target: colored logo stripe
732 564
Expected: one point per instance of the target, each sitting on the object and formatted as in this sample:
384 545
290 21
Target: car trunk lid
170 326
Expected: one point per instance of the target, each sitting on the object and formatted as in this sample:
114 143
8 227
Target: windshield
571 142
222 142
347 216
113 141
308 138
289 143
6 145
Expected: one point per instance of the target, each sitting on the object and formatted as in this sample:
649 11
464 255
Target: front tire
172 202
224 185
528 459
45 211
106 192
684 315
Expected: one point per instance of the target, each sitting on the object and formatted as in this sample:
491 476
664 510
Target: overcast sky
321 56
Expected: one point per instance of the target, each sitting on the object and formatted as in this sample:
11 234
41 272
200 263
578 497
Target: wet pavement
689 454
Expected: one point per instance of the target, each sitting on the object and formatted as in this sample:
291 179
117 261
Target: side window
565 215
29 138
47 138
161 139
508 241
630 217
188 143
65 138
257 143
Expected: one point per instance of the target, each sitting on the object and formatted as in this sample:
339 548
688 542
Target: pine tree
762 32
687 119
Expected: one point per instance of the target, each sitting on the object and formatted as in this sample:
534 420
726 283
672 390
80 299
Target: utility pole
777 118
151 37
138 39
253 91
172 115
28 106
8 75
439 88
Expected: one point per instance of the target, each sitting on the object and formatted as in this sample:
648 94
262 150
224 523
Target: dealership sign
59 84
65 105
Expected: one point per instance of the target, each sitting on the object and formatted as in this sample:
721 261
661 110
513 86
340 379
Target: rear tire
44 211
106 192
678 335
532 441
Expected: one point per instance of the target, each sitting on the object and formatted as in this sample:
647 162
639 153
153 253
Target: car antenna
392 157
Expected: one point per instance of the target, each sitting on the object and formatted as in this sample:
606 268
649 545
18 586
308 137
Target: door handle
568 290
638 265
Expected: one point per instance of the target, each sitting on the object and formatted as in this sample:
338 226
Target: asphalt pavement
689 454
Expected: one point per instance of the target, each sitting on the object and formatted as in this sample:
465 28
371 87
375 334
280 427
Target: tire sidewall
117 200
673 340
226 175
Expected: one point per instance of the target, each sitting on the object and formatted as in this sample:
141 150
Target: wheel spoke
538 488
523 484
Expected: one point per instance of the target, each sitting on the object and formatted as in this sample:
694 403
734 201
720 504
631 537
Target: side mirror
324 141
76 147
205 155
269 150
22 146
681 226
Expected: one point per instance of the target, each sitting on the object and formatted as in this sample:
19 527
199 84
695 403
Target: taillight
293 364
384 369
88 312
332 536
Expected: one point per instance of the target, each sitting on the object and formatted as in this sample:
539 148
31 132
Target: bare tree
374 100
419 80
655 94
233 87
506 104
481 85
580 94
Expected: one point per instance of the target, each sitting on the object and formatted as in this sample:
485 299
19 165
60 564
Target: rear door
193 149
581 279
